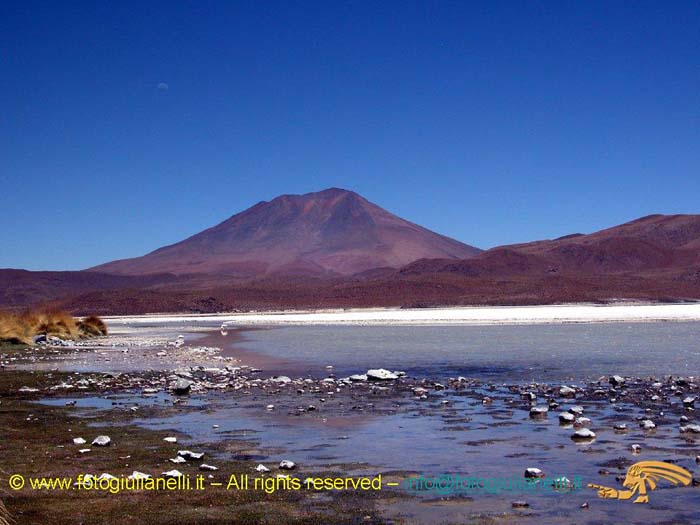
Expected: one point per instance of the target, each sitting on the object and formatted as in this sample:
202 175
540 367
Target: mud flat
575 313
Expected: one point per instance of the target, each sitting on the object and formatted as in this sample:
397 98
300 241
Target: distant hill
656 244
655 258
331 232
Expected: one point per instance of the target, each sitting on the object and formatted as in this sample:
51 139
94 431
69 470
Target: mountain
653 245
331 232
655 258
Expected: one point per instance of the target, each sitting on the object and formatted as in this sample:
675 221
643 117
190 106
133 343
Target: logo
642 477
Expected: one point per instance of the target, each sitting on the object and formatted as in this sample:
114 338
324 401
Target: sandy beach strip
579 313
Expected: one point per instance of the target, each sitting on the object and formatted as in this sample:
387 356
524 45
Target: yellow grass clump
23 327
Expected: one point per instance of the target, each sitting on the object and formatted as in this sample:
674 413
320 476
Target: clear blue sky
125 126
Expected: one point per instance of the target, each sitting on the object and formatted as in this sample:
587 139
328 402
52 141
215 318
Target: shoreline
488 315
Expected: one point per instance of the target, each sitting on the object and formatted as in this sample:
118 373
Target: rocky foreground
613 420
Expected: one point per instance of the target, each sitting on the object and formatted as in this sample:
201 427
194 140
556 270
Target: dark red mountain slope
331 232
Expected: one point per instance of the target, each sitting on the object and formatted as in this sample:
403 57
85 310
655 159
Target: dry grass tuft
92 326
22 328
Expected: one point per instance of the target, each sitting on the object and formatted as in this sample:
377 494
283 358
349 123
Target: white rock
177 460
204 466
533 472
172 474
358 377
567 391
566 417
170 439
79 441
287 464
647 424
139 475
583 434
188 454
693 429
538 412
262 468
281 379
102 441
380 374
636 449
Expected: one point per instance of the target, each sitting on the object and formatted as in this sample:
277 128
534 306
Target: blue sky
491 122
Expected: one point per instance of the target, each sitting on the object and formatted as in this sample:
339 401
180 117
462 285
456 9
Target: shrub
22 328
92 326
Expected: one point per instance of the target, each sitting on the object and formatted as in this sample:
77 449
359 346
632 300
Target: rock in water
380 374
567 391
285 464
539 412
583 434
533 472
566 418
181 386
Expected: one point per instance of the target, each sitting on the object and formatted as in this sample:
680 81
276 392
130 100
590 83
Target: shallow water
463 437
513 353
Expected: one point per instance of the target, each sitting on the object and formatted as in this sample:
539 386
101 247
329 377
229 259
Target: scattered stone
520 504
576 410
617 380
181 387
287 464
79 441
172 474
636 449
693 429
262 468
170 439
583 434
281 379
358 377
533 472
620 427
647 424
188 454
567 391
177 460
102 441
204 466
139 475
380 374
27 390
566 418
539 412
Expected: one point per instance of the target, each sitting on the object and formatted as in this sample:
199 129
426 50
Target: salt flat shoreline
506 315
